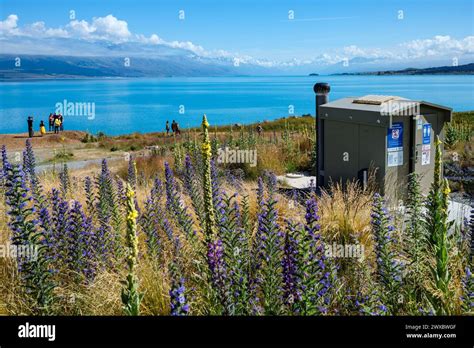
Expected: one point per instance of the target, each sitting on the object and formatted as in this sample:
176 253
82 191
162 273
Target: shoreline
293 122
275 124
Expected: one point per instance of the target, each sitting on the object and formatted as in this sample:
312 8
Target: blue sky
322 31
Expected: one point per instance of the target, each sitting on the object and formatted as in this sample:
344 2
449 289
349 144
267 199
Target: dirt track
17 141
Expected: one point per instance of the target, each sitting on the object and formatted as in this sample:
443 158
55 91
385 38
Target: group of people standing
174 128
176 131
56 124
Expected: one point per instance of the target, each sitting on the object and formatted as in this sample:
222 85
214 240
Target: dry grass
345 214
154 283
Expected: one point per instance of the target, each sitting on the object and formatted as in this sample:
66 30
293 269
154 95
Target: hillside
44 67
466 69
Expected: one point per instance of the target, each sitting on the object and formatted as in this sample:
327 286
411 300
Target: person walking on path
259 130
167 128
51 122
42 128
31 133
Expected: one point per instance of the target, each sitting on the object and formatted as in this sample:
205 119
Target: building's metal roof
437 106
375 99
378 103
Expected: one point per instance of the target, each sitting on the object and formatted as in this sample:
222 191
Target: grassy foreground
177 233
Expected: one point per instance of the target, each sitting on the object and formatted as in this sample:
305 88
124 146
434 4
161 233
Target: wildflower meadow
195 241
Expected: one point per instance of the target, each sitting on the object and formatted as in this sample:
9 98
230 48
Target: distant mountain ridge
45 67
466 69
162 63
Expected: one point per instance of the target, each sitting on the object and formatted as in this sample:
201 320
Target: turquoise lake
143 105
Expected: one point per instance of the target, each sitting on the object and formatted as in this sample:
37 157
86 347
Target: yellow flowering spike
446 188
210 223
206 149
132 215
135 169
130 296
205 124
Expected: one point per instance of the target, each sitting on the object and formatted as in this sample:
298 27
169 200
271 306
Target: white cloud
155 39
152 40
187 45
439 45
107 28
101 28
39 29
81 28
353 51
9 25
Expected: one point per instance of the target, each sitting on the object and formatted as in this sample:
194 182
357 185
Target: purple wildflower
271 252
178 301
34 272
388 268
215 258
175 204
131 175
89 194
29 162
192 188
59 210
65 181
289 264
81 254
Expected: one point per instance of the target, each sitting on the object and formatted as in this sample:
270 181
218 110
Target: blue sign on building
426 134
395 136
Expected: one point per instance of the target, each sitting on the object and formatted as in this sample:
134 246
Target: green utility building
390 135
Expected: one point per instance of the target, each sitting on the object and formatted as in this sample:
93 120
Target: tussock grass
345 213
